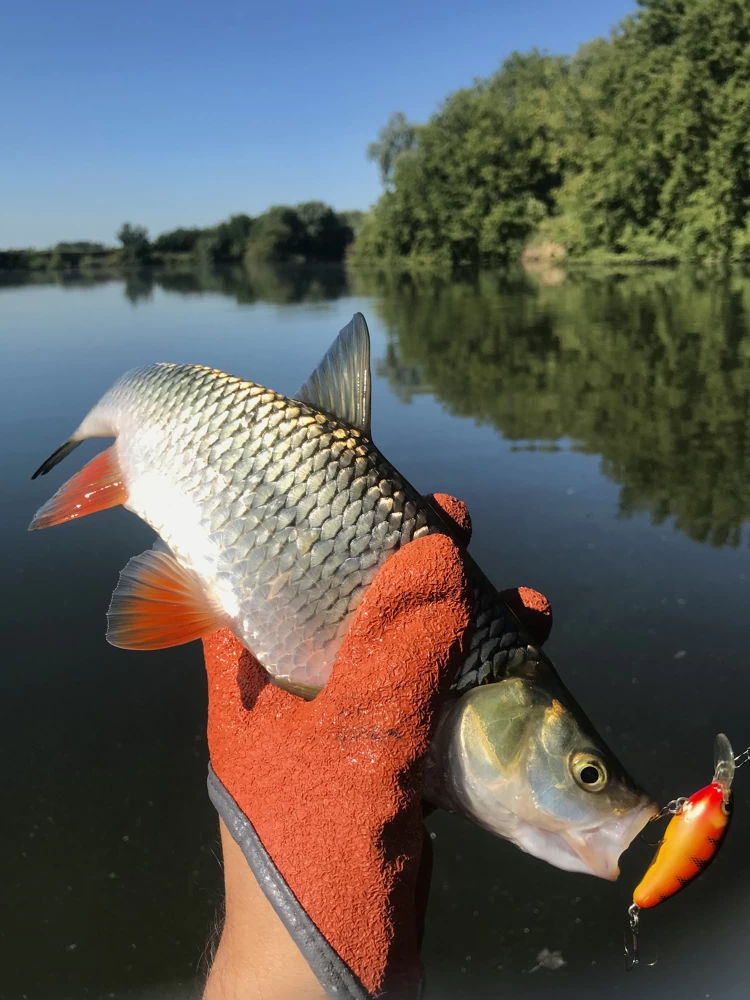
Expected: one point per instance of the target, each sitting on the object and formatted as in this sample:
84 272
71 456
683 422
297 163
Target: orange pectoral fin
97 486
159 603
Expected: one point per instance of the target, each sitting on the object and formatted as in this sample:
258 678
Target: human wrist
256 959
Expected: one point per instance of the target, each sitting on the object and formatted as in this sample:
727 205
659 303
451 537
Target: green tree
396 137
311 231
136 248
278 235
326 234
179 240
638 145
353 219
482 175
81 246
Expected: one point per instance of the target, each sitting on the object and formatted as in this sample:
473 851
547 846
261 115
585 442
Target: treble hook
632 950
632 955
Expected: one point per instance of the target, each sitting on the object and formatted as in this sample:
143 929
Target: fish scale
274 515
300 511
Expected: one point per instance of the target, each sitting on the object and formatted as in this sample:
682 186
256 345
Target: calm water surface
599 430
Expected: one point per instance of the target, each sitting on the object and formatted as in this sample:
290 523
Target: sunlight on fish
275 514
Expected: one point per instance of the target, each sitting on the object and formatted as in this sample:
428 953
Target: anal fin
97 486
306 691
159 603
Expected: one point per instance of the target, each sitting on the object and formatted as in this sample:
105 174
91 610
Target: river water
598 427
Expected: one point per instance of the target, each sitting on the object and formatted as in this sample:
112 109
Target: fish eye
589 772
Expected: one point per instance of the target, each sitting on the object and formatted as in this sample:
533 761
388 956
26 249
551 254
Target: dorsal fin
340 385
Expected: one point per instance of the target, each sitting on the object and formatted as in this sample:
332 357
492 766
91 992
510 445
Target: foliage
136 248
637 145
277 236
15 260
353 219
310 231
80 255
326 234
483 172
224 242
81 246
179 240
396 137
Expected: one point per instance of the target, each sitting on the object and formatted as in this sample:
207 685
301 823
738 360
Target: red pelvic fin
159 603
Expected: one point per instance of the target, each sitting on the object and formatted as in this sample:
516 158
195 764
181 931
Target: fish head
519 761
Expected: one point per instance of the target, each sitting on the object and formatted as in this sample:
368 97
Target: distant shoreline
56 262
39 262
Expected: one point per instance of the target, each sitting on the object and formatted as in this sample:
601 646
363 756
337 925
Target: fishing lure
691 841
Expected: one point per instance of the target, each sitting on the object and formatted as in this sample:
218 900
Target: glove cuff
333 974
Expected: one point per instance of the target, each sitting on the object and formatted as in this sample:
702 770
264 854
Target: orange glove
324 797
530 607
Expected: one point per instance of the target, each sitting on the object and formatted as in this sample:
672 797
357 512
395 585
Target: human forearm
256 958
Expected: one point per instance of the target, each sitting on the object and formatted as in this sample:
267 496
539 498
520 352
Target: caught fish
275 513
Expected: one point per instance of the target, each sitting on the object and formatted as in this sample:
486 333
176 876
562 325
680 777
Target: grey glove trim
333 974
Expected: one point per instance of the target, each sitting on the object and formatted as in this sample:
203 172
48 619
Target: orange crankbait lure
691 840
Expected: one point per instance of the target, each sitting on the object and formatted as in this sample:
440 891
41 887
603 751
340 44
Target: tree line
311 231
638 146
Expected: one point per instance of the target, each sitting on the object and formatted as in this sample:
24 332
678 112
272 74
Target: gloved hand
324 797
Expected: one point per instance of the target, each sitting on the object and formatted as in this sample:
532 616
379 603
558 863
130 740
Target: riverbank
541 256
107 259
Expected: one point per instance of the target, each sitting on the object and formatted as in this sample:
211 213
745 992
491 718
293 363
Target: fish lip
605 863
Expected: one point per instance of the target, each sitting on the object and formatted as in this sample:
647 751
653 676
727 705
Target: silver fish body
282 510
284 513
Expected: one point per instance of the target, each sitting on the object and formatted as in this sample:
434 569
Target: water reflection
285 285
649 370
281 285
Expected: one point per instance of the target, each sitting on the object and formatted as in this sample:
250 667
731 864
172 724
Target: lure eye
726 807
589 772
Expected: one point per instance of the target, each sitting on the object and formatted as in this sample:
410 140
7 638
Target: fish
273 516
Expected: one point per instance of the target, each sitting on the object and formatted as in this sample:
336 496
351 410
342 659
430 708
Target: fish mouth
598 849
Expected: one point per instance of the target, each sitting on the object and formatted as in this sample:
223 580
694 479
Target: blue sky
170 114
